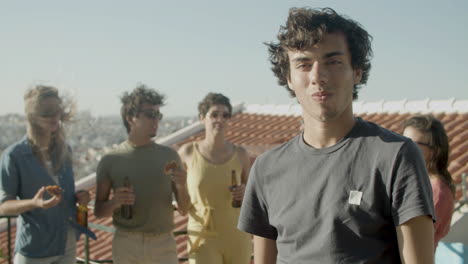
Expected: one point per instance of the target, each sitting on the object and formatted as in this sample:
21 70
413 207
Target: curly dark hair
306 27
132 102
438 143
213 99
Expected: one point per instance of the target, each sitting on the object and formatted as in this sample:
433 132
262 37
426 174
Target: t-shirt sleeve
177 159
102 172
9 178
411 188
253 217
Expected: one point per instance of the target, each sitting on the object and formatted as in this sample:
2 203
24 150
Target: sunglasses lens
216 115
48 115
152 114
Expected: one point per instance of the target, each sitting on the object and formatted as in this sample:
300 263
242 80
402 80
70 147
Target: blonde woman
47 229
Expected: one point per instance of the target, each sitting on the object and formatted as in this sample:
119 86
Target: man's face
322 78
216 118
145 123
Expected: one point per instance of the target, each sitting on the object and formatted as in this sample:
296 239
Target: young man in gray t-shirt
345 190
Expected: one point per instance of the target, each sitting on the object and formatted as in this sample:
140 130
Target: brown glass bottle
235 203
126 209
82 215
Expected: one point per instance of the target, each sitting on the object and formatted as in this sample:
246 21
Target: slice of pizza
170 166
54 190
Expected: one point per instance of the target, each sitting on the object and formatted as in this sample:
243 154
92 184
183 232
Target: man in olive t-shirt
136 173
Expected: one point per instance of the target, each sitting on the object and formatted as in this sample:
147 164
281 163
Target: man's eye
334 62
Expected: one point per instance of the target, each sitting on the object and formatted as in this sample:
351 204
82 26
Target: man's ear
201 117
289 84
357 76
129 120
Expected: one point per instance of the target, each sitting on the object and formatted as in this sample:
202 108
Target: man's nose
319 73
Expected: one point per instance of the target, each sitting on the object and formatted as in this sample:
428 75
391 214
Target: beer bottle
82 215
234 203
126 209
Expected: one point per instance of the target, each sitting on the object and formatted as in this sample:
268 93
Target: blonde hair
58 150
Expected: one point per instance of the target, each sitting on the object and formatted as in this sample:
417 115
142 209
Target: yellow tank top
208 186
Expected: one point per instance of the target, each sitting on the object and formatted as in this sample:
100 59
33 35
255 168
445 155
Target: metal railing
464 199
9 251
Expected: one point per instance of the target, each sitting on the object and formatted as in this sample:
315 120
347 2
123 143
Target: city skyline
97 50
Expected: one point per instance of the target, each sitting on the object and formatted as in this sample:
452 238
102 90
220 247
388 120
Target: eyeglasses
423 144
151 114
224 115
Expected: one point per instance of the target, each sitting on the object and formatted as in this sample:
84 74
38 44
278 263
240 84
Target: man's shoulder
379 133
275 153
164 149
186 149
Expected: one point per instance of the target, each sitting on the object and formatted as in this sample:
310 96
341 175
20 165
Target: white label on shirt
355 197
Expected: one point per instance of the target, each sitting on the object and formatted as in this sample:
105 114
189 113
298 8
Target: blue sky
96 50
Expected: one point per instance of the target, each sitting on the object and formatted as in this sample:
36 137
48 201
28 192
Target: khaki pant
143 248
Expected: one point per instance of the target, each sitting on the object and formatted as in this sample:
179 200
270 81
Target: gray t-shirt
338 204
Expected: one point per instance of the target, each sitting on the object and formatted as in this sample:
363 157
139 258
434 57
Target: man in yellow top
141 205
212 164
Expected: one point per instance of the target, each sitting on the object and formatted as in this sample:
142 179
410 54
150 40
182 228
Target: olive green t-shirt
144 167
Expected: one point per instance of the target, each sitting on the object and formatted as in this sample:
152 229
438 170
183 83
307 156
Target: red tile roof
259 132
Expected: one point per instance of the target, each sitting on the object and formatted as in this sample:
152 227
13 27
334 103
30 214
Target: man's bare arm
416 240
265 250
183 198
105 207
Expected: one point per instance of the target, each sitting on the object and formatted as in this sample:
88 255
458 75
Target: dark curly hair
213 99
132 102
438 143
306 27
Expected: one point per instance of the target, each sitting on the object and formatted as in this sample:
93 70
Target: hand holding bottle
237 191
126 198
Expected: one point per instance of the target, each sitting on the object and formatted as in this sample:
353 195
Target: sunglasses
224 115
49 114
151 114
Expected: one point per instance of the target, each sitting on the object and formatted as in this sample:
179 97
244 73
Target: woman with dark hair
216 176
429 134
37 183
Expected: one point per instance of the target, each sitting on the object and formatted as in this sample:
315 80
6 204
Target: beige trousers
143 248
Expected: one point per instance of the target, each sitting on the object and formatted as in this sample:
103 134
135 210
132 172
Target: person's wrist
35 204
